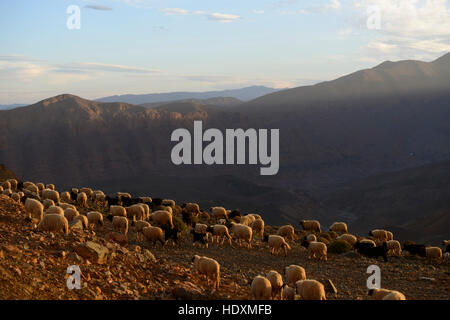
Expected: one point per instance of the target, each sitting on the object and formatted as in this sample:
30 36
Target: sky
151 46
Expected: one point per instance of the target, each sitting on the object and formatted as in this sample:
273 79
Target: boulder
93 251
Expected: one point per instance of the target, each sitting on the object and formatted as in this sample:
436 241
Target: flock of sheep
158 220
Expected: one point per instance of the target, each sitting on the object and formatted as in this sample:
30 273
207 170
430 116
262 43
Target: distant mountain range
370 123
243 94
10 106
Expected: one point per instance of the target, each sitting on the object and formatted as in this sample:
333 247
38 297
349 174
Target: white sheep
310 225
39 185
50 194
287 232
210 268
373 243
48 203
146 210
13 183
162 217
242 233
258 227
55 210
288 293
16 197
1 189
50 186
433 252
349 238
394 295
394 247
317 250
70 214
379 234
293 273
277 243
340 227
168 203
310 290
84 220
54 222
82 199
380 294
154 234
118 211
221 231
247 220
135 212
201 228
139 225
121 224
66 206
311 237
276 282
261 288
219 213
86 191
34 208
95 218
193 208
390 235
65 197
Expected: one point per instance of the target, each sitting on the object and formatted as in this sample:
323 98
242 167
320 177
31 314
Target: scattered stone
186 291
93 251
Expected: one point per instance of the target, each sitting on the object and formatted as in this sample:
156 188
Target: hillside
6 174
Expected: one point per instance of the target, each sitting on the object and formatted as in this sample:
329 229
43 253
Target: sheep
55 210
433 252
65 197
66 206
381 294
84 220
135 212
247 220
222 221
7 192
261 288
293 273
168 209
162 217
310 290
48 203
367 249
242 232
277 243
287 232
168 203
121 224
201 228
413 248
258 227
34 208
154 234
50 194
351 239
146 210
446 243
199 237
95 218
394 247
117 211
146 199
13 183
277 283
256 216
317 250
39 185
219 231
16 197
54 222
70 214
311 237
340 227
139 225
378 234
50 186
368 241
1 189
310 225
219 213
191 207
209 267
390 235
288 293
6 185
82 199
86 191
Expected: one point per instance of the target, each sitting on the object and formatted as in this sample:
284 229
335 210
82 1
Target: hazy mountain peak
445 59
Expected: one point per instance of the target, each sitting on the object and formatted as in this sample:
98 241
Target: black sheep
366 249
413 248
199 237
234 214
188 217
112 201
171 233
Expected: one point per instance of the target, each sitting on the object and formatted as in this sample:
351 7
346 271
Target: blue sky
147 46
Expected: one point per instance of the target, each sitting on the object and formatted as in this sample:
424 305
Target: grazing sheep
219 231
139 225
317 250
199 237
310 290
7 192
162 217
40 185
277 243
394 247
50 194
413 248
121 224
191 207
433 252
65 197
13 183
118 211
366 249
55 210
287 232
82 199
311 237
380 294
66 205
84 220
95 218
70 214
135 212
368 241
294 273
146 199
86 191
168 203
146 210
258 227
6 185
380 235
340 227
219 213
201 228
48 203
256 216
54 222
310 225
34 208
242 233
209 267
154 234
351 239
277 283
16 197
50 186
247 220
390 235
288 293
261 288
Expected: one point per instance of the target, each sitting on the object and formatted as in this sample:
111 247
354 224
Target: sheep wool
94 218
34 208
394 247
288 293
50 194
221 231
210 268
310 290
48 203
84 220
310 225
433 252
317 250
261 288
277 243
294 273
118 211
242 233
82 199
70 214
351 239
394 295
258 227
162 217
277 283
121 224
340 227
219 213
65 196
55 210
154 234
54 222
380 294
287 232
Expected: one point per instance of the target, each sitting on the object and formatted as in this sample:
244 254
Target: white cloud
170 11
258 11
97 7
222 17
219 17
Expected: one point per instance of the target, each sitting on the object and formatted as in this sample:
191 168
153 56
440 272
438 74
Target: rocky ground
33 265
